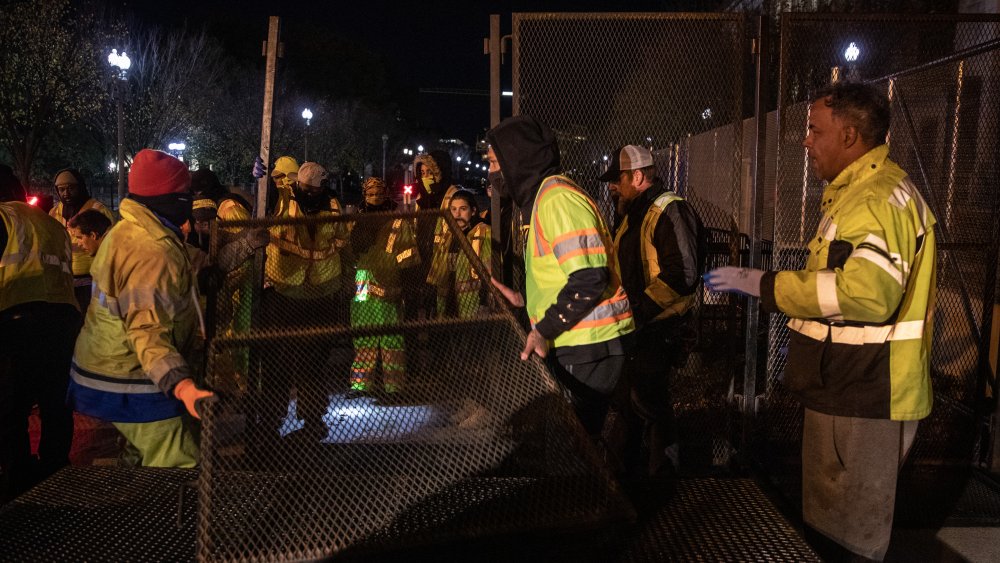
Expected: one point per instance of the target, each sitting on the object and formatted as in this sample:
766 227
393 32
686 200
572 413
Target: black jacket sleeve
575 301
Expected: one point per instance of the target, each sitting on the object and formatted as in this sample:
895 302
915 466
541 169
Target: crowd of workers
610 310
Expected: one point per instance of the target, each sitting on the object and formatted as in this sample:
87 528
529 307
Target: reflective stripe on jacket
35 264
440 261
303 264
142 330
81 259
666 301
394 249
861 309
567 234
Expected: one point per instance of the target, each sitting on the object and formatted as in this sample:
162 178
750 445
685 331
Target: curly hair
859 105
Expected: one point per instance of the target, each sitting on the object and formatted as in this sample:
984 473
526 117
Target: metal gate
689 99
941 75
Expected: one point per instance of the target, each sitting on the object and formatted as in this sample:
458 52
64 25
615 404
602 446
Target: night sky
433 44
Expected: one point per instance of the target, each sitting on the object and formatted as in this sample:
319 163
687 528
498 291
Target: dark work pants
644 399
299 363
589 385
36 347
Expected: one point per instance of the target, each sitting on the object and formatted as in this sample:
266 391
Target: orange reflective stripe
580 252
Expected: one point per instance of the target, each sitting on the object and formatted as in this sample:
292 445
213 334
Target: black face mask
311 202
497 183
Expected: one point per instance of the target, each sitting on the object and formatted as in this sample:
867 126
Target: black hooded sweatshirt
527 152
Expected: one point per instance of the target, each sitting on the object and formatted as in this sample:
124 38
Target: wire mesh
669 89
361 417
945 133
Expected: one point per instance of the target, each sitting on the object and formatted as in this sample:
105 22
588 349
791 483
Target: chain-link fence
946 134
374 402
675 85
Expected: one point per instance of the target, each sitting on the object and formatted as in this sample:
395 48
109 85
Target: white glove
735 280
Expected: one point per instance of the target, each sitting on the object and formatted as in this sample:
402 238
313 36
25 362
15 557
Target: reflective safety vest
566 234
394 249
440 258
81 259
143 322
467 281
662 294
861 310
301 264
35 264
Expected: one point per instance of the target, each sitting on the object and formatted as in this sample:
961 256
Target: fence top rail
678 16
796 17
991 45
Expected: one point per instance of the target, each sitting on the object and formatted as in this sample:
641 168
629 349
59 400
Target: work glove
194 398
259 170
735 280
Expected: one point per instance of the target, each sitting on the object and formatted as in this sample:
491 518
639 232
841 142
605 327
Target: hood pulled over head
527 152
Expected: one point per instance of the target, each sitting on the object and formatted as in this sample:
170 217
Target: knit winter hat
155 173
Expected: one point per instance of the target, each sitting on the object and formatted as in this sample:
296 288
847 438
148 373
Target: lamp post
177 149
121 63
385 139
307 115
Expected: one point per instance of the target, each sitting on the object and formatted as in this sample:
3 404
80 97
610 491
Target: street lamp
420 148
177 149
385 139
307 115
122 63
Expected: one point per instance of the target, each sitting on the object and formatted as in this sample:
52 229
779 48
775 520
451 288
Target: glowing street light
178 150
122 63
307 115
852 52
420 148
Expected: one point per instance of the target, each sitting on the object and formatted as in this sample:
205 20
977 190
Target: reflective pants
163 443
369 349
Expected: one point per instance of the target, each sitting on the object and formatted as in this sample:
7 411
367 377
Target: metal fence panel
946 134
675 85
364 413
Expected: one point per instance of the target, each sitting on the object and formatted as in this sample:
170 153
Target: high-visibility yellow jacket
35 264
567 234
466 278
303 264
142 333
232 210
81 259
394 249
861 310
439 270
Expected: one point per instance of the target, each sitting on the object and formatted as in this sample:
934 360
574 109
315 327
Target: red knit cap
156 173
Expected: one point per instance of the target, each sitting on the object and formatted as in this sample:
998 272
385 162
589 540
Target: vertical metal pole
265 126
494 52
122 192
953 156
385 139
757 170
496 225
305 145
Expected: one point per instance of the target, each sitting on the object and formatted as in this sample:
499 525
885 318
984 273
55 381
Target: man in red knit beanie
133 360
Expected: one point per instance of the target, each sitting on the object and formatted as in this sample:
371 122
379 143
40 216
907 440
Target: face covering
428 182
310 202
497 183
375 197
175 208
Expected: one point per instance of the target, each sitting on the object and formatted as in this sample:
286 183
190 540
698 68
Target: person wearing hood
575 299
135 358
74 198
458 283
39 320
384 246
303 274
434 193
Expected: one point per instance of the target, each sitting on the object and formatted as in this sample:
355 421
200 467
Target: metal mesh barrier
946 134
366 411
103 514
670 89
